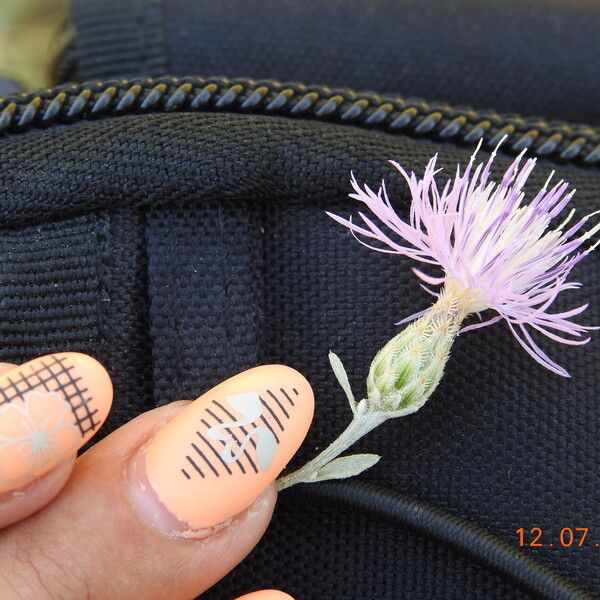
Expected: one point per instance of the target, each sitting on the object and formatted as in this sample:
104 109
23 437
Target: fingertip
99 505
95 391
16 505
266 595
5 367
219 453
49 408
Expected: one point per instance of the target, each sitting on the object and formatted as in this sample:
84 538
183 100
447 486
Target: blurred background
32 34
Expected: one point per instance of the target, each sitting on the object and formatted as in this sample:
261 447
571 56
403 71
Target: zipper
70 103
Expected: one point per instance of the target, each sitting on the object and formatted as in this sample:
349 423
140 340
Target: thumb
171 502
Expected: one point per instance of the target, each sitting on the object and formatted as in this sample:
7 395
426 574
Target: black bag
175 228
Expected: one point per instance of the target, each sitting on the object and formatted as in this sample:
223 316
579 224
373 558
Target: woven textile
198 246
537 58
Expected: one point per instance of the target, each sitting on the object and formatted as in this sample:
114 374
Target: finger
4 367
49 408
19 504
169 503
266 595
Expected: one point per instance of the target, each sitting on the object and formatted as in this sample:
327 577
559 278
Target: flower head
503 252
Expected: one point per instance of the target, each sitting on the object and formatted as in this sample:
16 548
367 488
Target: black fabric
537 58
50 287
198 246
116 37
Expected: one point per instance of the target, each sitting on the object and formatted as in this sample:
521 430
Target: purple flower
501 251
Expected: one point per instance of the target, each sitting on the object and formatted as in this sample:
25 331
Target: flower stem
402 376
360 425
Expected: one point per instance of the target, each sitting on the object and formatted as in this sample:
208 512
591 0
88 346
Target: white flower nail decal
35 436
250 407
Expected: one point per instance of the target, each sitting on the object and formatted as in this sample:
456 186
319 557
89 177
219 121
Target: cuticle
187 532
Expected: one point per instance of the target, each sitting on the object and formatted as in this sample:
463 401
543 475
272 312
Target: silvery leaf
342 377
345 466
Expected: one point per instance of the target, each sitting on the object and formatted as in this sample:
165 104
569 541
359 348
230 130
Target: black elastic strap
469 539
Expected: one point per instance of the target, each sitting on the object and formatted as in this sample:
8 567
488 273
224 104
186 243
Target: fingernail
49 408
266 595
217 455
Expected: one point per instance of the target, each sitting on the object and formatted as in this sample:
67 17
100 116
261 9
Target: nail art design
220 453
262 438
49 408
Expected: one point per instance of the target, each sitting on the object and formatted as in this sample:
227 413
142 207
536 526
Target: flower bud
406 371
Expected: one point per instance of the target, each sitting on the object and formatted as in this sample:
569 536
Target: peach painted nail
266 595
222 451
49 408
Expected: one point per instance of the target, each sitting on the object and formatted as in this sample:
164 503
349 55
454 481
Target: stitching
101 221
556 140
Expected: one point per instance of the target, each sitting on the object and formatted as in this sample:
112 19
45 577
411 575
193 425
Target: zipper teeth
70 103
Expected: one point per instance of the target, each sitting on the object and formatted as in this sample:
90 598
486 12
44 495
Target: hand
161 508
